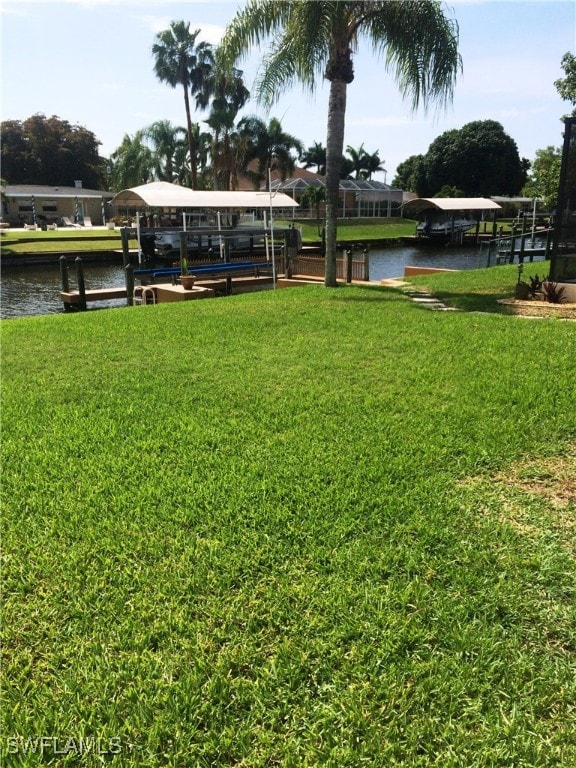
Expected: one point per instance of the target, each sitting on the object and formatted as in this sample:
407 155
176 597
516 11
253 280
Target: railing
503 250
315 266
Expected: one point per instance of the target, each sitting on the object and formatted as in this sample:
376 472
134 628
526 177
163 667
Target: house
358 197
26 204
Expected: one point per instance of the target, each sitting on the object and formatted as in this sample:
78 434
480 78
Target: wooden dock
74 298
160 293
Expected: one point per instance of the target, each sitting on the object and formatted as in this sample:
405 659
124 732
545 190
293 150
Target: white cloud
209 33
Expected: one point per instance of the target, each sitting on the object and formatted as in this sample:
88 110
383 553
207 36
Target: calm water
36 290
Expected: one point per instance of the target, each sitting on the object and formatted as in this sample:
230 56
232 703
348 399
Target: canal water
35 290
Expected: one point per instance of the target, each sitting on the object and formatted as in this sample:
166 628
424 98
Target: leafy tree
411 175
449 191
544 176
43 150
270 146
179 60
318 39
566 86
480 159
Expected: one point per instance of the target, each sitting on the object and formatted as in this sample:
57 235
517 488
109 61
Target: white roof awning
162 194
421 204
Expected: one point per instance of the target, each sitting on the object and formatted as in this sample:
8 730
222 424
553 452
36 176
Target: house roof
46 191
162 194
449 204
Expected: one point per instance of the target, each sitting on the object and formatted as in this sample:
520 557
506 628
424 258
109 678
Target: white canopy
162 194
449 204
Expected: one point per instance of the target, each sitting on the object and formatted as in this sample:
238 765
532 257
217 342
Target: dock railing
521 245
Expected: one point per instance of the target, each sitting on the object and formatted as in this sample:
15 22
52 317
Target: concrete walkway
426 300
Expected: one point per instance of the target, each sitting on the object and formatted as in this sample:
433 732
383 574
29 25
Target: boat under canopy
162 194
447 218
449 204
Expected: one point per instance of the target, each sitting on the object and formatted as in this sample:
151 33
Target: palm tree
270 146
229 94
131 164
364 164
372 164
166 142
312 39
314 197
180 61
315 156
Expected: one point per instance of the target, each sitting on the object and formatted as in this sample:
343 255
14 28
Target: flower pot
187 282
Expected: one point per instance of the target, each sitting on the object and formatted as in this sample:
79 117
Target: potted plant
187 280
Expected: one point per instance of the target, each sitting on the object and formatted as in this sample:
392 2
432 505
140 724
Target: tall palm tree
312 39
229 94
270 146
179 60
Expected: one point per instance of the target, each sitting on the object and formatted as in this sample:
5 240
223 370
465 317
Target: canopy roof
162 194
449 204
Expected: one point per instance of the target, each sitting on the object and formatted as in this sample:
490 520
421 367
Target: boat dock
160 293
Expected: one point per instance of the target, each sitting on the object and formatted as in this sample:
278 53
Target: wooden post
512 240
129 279
349 253
366 270
124 235
549 236
227 261
522 241
64 274
80 281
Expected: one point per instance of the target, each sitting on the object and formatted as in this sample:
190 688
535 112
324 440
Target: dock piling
129 276
81 283
64 273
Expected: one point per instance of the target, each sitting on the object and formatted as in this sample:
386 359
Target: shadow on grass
466 301
474 302
367 293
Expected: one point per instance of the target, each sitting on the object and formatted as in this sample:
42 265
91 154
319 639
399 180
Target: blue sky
90 62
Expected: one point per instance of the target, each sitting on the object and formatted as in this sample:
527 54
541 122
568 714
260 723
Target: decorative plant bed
534 308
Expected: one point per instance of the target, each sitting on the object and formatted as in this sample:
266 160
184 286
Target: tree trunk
193 174
334 150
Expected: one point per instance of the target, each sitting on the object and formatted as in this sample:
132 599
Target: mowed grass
19 241
306 527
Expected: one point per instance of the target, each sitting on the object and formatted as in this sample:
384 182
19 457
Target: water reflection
35 290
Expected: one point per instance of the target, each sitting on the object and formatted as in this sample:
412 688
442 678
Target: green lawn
306 527
62 241
363 229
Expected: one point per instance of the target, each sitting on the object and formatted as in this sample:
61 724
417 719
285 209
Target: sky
90 62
